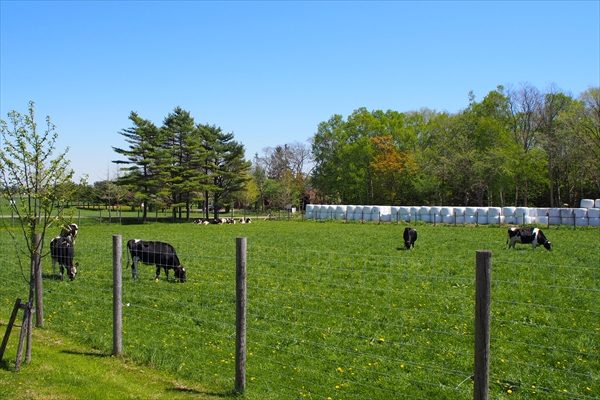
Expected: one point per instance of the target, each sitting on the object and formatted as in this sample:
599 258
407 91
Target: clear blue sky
271 71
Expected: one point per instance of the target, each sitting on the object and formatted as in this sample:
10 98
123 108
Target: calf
62 252
535 236
410 237
157 253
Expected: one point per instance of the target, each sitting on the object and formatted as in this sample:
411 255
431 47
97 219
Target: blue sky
271 71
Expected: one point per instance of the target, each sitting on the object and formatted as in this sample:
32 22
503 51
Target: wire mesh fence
338 324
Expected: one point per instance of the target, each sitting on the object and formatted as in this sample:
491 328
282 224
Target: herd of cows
163 255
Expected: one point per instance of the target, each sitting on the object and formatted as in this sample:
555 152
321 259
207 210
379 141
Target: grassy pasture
341 311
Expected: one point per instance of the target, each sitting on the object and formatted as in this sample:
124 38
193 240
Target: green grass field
340 311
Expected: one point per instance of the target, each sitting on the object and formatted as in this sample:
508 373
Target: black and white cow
535 236
410 237
62 252
160 254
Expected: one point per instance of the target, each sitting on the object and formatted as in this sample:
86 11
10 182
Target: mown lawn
341 311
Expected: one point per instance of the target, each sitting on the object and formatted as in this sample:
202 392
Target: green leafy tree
37 184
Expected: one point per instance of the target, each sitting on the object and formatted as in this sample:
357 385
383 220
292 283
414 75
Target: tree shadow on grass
85 353
182 389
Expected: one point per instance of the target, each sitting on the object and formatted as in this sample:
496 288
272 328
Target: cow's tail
127 263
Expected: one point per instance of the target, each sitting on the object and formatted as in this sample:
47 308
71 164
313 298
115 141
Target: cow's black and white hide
62 251
160 254
533 236
70 232
410 237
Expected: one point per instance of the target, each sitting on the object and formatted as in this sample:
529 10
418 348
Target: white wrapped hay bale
349 212
340 212
597 203
567 216
414 213
405 213
554 216
581 221
521 215
447 214
586 203
367 213
593 213
482 215
385 213
470 215
395 214
541 216
494 215
459 215
308 213
580 212
594 221
508 215
358 213
424 214
435 215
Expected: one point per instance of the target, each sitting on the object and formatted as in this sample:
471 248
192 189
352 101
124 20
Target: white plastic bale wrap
349 212
580 212
424 214
567 216
470 215
447 214
405 214
494 215
375 213
367 213
385 213
358 213
508 214
593 213
340 212
586 203
414 213
554 216
594 221
597 203
309 212
522 215
581 221
482 215
435 214
459 215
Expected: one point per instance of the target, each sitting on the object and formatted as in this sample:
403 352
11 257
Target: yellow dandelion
509 391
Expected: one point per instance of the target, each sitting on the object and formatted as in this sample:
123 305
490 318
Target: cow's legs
157 272
134 273
62 271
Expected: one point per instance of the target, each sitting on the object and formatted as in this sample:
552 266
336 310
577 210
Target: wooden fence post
117 297
9 327
240 316
482 324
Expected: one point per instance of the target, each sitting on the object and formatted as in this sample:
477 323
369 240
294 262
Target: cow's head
548 245
72 271
180 273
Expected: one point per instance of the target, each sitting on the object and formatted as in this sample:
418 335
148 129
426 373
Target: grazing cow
410 237
535 236
62 252
157 253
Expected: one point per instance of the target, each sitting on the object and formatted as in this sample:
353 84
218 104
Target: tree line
514 147
179 164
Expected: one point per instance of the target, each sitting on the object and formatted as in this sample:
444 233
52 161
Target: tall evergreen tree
144 162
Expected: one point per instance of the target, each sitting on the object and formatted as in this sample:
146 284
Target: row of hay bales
586 215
